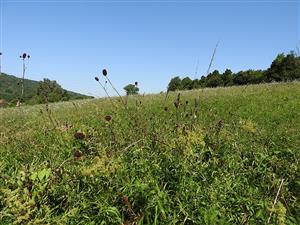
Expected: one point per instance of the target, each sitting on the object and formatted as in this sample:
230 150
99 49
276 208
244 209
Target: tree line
283 68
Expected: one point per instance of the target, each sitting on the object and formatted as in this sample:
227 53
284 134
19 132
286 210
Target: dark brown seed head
97 78
77 154
24 55
176 104
104 72
79 135
136 83
28 56
108 118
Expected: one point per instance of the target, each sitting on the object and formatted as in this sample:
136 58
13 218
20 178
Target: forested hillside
10 90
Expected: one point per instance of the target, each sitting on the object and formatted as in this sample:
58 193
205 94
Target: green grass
218 158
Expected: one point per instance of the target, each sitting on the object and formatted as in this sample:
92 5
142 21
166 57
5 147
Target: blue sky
145 41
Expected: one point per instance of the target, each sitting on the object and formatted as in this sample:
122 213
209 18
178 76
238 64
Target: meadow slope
211 156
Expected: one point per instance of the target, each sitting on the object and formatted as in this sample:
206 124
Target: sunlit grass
216 159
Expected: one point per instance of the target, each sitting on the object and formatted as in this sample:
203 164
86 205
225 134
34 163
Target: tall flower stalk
97 79
104 72
0 63
24 57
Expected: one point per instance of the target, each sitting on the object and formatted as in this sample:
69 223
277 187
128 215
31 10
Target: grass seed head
97 78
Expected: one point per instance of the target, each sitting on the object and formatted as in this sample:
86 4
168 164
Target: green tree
214 79
51 91
227 77
131 89
248 77
284 68
195 84
186 83
175 84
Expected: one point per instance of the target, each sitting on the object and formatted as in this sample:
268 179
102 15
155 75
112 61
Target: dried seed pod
77 154
108 118
79 135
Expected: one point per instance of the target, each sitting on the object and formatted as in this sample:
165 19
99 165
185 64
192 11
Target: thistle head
108 118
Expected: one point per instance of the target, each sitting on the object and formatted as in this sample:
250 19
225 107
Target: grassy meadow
211 156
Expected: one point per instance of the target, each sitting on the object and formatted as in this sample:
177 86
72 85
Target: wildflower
104 72
79 135
108 118
97 78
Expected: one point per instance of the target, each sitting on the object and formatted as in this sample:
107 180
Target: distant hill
10 89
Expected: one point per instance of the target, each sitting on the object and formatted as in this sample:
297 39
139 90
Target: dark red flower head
104 72
108 118
79 135
97 78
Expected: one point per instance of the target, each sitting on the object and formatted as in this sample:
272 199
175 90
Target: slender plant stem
106 92
23 78
276 198
115 90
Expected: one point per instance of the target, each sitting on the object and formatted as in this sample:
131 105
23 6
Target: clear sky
145 41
